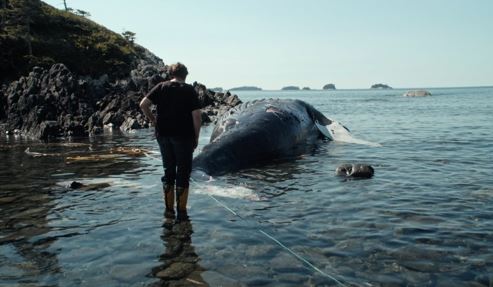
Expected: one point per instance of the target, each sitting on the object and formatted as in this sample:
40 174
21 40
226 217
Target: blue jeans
177 154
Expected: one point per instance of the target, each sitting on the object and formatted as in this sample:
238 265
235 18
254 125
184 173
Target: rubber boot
169 201
181 203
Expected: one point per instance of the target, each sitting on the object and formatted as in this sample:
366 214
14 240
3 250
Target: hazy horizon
272 44
349 88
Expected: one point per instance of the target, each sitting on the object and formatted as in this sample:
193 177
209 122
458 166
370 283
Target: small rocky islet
381 86
329 87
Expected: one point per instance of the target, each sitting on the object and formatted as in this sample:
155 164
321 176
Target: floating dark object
356 170
90 186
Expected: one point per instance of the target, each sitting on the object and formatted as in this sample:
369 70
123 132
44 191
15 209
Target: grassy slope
57 36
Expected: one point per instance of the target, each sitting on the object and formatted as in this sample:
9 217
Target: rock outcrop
417 93
50 103
329 87
214 104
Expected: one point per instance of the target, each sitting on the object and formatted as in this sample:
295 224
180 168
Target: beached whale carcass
260 132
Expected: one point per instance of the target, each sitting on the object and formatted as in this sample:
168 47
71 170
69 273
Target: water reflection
34 214
179 261
276 179
26 254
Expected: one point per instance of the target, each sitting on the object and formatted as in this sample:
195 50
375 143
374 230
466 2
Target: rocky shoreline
56 103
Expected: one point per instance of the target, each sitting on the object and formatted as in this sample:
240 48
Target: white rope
225 206
296 255
300 257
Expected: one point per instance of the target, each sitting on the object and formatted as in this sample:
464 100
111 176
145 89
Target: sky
275 43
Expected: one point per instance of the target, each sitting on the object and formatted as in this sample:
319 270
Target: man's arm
145 106
197 123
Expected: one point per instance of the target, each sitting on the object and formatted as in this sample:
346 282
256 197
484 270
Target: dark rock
356 170
130 124
47 129
205 118
55 102
232 101
76 185
214 104
90 186
3 104
329 87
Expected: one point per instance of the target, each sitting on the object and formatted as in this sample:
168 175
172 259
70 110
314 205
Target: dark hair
178 70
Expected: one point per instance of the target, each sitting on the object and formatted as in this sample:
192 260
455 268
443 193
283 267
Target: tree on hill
129 36
37 34
82 13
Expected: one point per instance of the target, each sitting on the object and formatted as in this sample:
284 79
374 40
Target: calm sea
424 219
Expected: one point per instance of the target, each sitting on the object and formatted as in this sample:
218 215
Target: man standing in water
177 132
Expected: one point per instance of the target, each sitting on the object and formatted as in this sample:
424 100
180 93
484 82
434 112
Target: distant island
329 87
291 88
217 89
306 88
246 88
381 86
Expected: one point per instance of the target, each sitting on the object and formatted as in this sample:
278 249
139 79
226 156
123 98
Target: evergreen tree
129 36
83 13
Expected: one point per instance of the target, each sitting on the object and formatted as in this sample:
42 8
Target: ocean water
424 219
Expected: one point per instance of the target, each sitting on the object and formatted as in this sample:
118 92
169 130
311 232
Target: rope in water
272 238
296 255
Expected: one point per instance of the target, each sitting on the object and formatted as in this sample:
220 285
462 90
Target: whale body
260 132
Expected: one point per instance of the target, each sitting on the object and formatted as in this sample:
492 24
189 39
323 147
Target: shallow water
424 219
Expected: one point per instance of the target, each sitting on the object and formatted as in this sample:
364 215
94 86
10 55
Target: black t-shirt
175 102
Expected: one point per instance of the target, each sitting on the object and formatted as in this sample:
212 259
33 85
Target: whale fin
341 134
324 131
